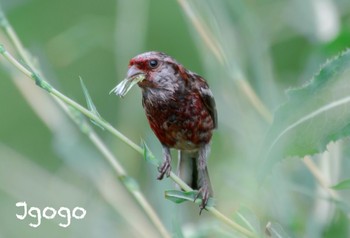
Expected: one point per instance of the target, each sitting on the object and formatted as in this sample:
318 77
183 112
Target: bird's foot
164 169
204 193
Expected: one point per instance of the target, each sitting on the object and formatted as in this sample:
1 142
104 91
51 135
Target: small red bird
181 111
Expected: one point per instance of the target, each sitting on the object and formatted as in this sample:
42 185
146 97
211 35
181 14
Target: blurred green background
273 45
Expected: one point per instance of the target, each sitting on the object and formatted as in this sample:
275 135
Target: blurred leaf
345 184
275 230
178 196
338 227
248 219
90 104
147 154
315 114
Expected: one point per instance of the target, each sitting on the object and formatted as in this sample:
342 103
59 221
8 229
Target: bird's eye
153 63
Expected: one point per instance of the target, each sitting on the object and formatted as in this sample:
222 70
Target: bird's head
151 70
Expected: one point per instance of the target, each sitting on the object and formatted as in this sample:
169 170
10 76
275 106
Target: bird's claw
204 193
164 169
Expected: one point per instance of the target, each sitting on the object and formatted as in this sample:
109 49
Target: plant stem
118 168
86 128
138 195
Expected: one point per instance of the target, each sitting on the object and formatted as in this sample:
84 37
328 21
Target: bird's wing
207 96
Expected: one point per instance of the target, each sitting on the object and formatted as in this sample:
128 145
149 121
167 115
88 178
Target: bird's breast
180 121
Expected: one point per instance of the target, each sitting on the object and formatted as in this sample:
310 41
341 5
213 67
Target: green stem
43 84
94 138
118 168
138 195
85 128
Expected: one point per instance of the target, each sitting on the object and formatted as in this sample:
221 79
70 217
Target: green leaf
345 184
178 196
147 154
314 115
90 104
338 226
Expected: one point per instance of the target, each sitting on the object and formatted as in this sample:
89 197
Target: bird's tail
188 171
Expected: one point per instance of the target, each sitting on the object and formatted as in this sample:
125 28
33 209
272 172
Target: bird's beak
133 76
132 72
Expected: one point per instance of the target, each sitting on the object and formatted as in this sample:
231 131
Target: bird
181 112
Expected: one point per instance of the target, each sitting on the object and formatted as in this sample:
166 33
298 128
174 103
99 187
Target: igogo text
50 213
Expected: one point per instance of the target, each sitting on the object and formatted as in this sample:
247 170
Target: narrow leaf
345 184
314 115
89 101
90 104
147 154
178 196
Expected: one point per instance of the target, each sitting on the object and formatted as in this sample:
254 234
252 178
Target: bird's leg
165 168
203 177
